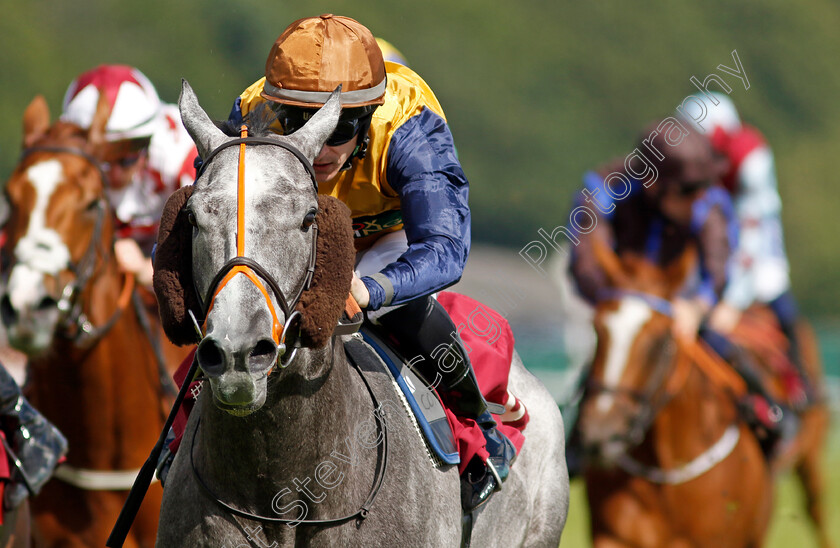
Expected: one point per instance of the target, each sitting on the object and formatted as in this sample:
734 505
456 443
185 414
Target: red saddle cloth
489 341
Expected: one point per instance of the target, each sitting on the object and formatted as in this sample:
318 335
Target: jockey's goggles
122 152
689 188
351 122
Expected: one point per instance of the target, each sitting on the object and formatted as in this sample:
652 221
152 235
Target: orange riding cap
316 54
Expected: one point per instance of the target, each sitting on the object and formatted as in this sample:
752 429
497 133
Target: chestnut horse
669 461
94 372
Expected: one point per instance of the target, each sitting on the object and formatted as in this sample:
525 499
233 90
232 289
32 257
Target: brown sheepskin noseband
320 306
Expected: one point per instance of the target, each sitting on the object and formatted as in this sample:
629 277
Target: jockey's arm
717 238
586 271
132 259
423 169
716 247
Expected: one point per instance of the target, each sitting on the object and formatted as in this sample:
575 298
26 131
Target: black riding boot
424 328
36 444
761 409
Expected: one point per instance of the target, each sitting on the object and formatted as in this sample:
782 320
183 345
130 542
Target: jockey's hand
359 291
724 318
688 313
131 259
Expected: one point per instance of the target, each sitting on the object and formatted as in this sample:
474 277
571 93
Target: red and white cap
722 117
135 104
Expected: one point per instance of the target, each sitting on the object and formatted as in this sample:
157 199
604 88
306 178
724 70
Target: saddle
416 394
486 335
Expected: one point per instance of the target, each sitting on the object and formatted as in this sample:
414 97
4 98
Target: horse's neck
105 399
692 421
305 422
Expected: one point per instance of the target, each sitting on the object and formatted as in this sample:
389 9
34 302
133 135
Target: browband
261 141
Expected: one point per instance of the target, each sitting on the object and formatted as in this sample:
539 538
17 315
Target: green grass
790 525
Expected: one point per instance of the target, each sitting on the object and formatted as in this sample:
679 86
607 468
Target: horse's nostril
264 348
210 356
47 303
7 310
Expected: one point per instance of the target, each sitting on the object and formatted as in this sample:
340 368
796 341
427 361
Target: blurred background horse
95 363
670 462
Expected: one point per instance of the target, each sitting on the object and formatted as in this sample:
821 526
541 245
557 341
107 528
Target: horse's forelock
258 122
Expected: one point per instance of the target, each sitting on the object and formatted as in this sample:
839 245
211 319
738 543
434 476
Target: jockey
760 270
148 155
392 161
684 206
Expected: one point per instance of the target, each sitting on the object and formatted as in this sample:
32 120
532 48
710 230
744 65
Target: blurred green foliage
536 92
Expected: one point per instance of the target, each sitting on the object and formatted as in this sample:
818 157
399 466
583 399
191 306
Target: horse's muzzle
30 330
217 356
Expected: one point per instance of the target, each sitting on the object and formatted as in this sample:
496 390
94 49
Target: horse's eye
191 218
92 205
308 219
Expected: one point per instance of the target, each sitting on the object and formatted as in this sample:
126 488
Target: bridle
668 381
662 385
73 323
251 269
256 274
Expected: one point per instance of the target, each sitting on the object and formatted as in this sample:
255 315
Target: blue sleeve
715 197
706 289
594 183
424 171
235 115
700 209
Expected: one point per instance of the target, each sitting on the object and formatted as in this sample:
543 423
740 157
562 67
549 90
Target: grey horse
307 442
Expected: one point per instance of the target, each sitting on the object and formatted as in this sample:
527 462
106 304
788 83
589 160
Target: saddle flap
421 398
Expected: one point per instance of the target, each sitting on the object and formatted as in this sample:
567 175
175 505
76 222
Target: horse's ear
36 120
173 270
96 133
609 262
203 131
312 136
321 305
679 269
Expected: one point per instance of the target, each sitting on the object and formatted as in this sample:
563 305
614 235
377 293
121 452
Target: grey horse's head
240 344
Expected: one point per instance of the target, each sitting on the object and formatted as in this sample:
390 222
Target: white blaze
41 250
623 326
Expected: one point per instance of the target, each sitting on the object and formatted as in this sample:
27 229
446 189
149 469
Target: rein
252 270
